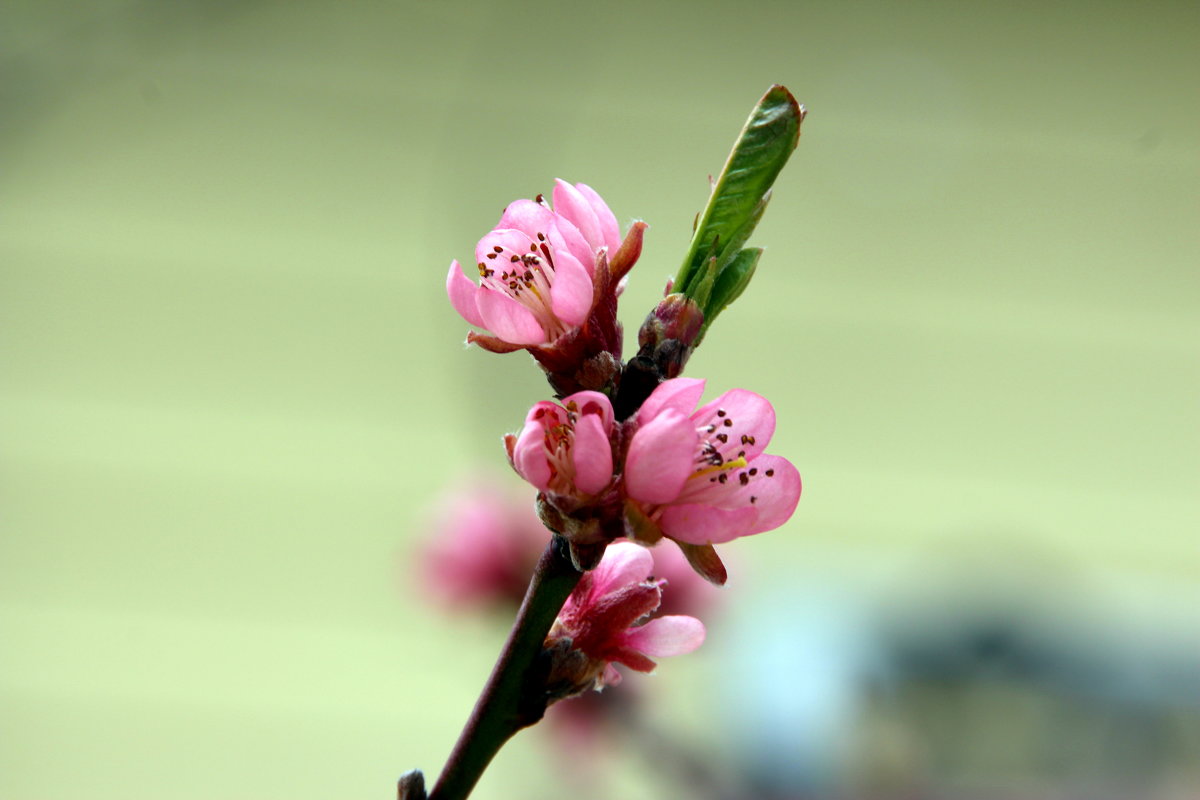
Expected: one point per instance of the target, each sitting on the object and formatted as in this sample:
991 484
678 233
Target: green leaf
729 286
740 194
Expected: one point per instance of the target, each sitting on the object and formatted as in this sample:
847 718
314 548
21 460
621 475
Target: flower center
526 276
559 441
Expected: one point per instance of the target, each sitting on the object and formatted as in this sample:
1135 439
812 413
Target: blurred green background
231 381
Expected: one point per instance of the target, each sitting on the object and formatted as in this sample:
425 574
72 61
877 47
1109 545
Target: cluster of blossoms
625 458
485 546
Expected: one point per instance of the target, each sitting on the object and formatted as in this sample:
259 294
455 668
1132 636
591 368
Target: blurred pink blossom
485 545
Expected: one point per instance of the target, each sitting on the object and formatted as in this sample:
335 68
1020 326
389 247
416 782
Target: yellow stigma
737 463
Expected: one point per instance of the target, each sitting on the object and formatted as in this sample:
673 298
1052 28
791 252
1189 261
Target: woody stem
514 696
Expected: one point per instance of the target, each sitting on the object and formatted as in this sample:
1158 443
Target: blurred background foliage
231 384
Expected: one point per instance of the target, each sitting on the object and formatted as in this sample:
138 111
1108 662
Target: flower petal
572 205
747 420
609 228
661 457
610 677
566 238
529 456
695 523
591 454
680 394
462 291
512 243
508 319
591 402
571 294
623 563
527 216
667 636
777 495
769 484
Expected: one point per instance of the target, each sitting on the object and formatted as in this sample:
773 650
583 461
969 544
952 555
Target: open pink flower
536 268
565 450
606 620
701 476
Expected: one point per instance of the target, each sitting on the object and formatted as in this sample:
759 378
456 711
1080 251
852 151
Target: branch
514 696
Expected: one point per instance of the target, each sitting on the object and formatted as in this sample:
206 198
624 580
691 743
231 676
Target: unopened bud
668 334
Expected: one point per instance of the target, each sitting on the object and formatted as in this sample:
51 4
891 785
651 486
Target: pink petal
661 457
778 495
700 524
748 422
566 238
611 676
529 456
609 228
462 291
572 205
623 563
590 402
771 495
571 294
632 659
508 319
680 394
511 243
592 454
667 636
527 216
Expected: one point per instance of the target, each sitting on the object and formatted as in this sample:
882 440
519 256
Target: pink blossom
702 477
607 620
566 449
485 546
537 268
